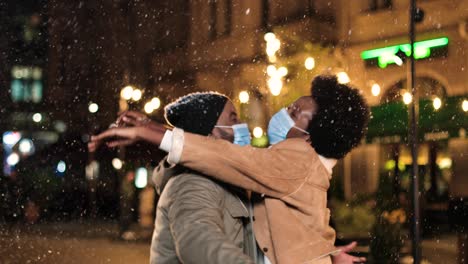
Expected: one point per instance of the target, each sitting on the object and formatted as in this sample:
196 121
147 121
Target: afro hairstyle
341 119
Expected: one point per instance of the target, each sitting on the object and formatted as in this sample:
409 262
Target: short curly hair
341 119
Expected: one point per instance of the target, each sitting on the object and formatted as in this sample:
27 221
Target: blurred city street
70 243
83 242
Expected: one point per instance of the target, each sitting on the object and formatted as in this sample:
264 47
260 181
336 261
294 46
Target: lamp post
415 15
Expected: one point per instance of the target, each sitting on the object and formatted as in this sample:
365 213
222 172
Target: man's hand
344 258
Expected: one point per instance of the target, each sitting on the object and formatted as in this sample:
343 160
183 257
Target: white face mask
279 126
242 135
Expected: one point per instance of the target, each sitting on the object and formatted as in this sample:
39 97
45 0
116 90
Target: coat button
265 249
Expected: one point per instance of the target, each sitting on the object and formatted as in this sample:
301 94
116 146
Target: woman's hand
125 136
344 258
133 118
113 137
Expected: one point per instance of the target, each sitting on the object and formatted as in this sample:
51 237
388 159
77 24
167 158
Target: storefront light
437 103
407 98
465 105
141 178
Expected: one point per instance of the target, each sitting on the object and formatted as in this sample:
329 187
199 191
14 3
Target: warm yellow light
407 98
127 92
149 108
258 132
309 63
437 103
275 85
136 95
343 77
244 97
272 59
276 44
282 71
375 89
271 70
93 108
155 103
465 105
117 163
444 163
272 47
269 37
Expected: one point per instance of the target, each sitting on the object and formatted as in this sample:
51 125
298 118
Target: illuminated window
220 18
380 4
26 84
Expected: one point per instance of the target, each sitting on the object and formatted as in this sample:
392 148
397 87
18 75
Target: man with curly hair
292 177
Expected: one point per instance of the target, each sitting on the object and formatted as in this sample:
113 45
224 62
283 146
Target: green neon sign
386 55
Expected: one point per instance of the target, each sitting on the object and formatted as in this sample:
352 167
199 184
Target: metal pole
414 109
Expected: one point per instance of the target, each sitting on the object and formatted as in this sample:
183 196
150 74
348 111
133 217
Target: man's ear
295 111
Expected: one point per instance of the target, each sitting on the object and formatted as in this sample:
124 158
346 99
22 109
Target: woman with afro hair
291 177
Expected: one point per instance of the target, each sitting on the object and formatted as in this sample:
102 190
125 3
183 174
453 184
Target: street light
136 95
152 105
37 117
13 159
257 132
127 92
117 163
93 108
375 89
271 70
244 97
270 36
343 77
155 103
309 63
149 108
275 85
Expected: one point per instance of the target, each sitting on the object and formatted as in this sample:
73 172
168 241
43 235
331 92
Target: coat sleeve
276 171
197 225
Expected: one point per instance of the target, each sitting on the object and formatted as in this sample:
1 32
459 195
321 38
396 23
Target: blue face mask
241 134
279 126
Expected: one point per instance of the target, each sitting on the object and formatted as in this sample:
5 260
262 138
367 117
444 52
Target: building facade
170 48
